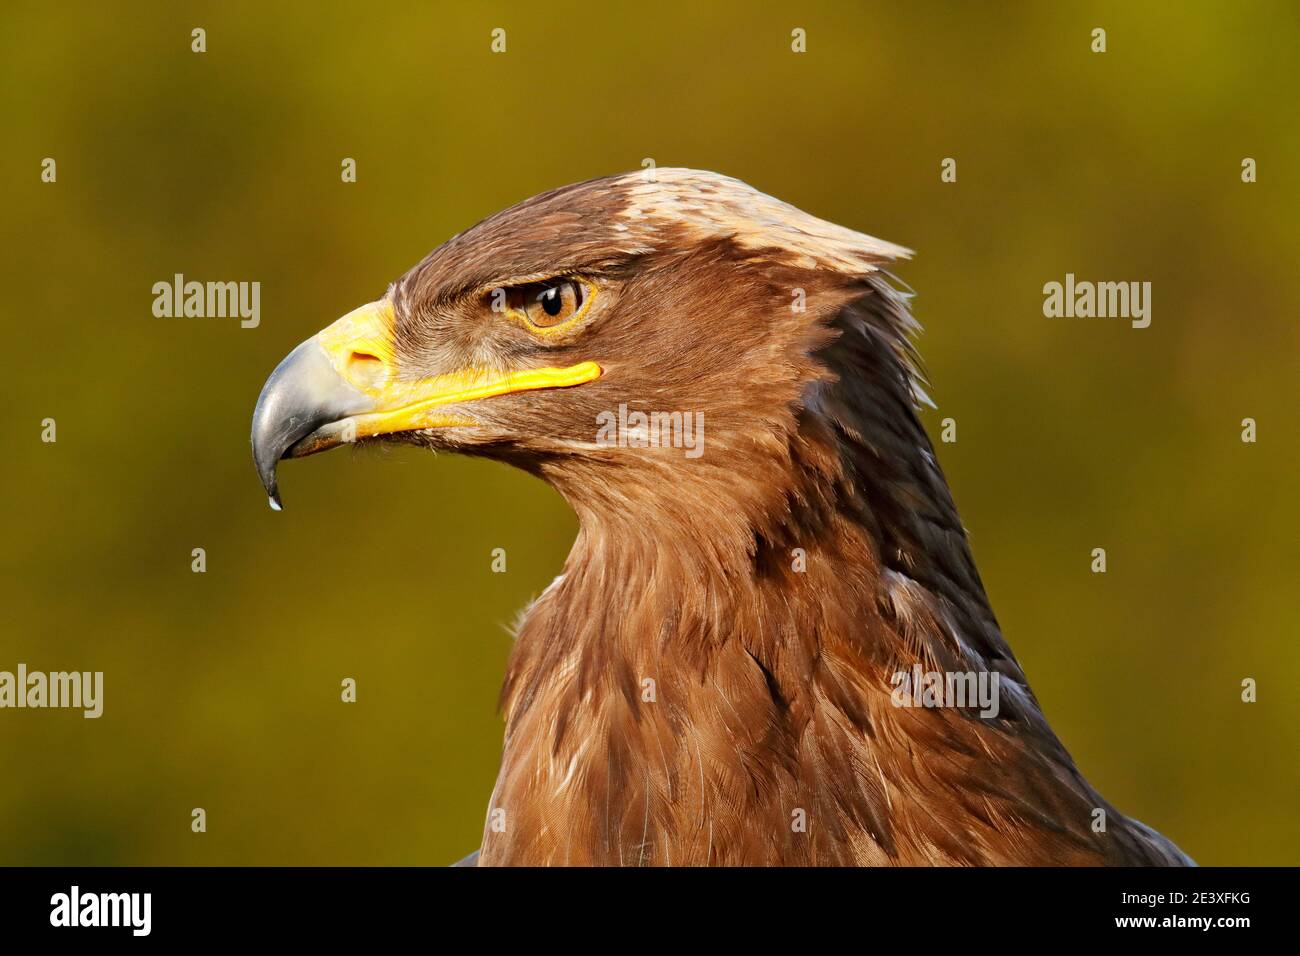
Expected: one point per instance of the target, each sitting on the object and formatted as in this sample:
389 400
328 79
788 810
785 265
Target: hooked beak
341 385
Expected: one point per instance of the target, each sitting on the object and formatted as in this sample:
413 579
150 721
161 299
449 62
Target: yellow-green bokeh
222 689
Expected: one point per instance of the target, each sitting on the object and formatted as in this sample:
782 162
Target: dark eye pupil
551 301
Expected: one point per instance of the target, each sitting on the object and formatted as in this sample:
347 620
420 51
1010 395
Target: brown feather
772 686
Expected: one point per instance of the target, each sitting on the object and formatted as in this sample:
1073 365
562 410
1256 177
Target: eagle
747 657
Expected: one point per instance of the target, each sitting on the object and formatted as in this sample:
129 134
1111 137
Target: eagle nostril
366 370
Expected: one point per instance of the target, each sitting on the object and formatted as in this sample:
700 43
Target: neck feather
714 687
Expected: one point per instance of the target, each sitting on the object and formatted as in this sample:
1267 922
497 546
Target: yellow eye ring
551 306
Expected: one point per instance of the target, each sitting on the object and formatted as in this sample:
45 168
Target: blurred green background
222 689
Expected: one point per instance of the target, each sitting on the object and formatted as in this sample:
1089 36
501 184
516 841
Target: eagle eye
549 304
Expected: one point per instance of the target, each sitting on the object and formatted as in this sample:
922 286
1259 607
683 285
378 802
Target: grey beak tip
302 394
266 464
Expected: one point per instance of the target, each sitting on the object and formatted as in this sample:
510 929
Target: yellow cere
360 348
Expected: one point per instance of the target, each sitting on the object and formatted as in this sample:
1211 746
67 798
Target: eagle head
537 334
